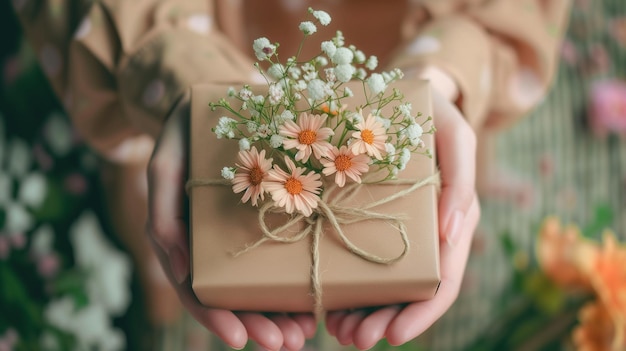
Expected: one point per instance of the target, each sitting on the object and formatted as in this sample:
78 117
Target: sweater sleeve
119 66
502 54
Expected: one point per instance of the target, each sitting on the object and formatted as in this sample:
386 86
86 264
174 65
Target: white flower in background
385 122
342 56
244 144
225 128
276 71
231 92
307 27
58 134
228 173
405 157
252 126
321 16
372 63
359 56
330 75
276 141
18 219
19 157
339 39
414 133
329 48
405 110
317 89
109 269
263 49
245 94
376 83
276 94
33 190
347 92
361 73
344 72
263 131
5 188
390 149
287 115
294 72
322 61
258 99
300 86
42 241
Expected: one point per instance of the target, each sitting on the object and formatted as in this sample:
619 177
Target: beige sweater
119 65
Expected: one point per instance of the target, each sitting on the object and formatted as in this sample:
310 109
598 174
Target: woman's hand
458 217
167 231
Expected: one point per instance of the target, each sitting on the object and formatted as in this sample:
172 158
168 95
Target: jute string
337 215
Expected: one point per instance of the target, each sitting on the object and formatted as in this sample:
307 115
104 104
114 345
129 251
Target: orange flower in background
608 277
596 331
562 254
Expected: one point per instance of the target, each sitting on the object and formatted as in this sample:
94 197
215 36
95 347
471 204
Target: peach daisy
370 138
308 136
343 162
293 190
252 171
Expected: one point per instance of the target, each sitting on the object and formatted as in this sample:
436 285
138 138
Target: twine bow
337 215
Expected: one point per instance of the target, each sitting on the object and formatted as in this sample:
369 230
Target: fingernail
453 232
180 265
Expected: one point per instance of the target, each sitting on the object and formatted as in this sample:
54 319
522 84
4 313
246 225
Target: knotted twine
337 215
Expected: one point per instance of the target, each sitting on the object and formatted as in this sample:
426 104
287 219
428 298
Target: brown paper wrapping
276 277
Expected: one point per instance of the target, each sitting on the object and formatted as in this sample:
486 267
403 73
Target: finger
293 336
456 151
307 323
166 175
372 329
333 320
417 317
222 323
262 330
348 325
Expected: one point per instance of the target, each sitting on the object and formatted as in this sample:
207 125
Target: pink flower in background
76 184
5 247
607 107
569 53
18 240
48 265
617 29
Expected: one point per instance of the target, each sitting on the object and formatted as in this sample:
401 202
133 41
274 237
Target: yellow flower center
307 137
367 136
256 175
343 163
293 186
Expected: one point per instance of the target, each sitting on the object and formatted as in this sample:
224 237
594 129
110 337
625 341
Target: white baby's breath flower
329 48
276 71
297 96
245 94
372 63
405 157
263 48
414 132
387 77
33 190
17 219
308 67
18 157
317 89
263 131
308 76
231 92
294 72
361 73
300 85
322 61
287 115
356 118
258 99
339 39
344 72
225 128
398 74
276 94
342 56
330 75
390 149
376 83
405 110
276 141
42 241
321 16
58 134
228 173
244 144
252 126
307 27
359 56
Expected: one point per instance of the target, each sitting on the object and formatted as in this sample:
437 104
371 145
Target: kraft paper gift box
276 277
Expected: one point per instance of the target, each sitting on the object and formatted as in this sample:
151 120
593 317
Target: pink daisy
370 138
343 162
293 190
252 171
308 136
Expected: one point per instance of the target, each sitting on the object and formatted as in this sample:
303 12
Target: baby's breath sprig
298 133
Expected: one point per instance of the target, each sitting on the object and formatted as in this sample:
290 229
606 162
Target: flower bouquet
318 155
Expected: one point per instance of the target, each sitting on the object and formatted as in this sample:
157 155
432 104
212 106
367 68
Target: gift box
276 276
